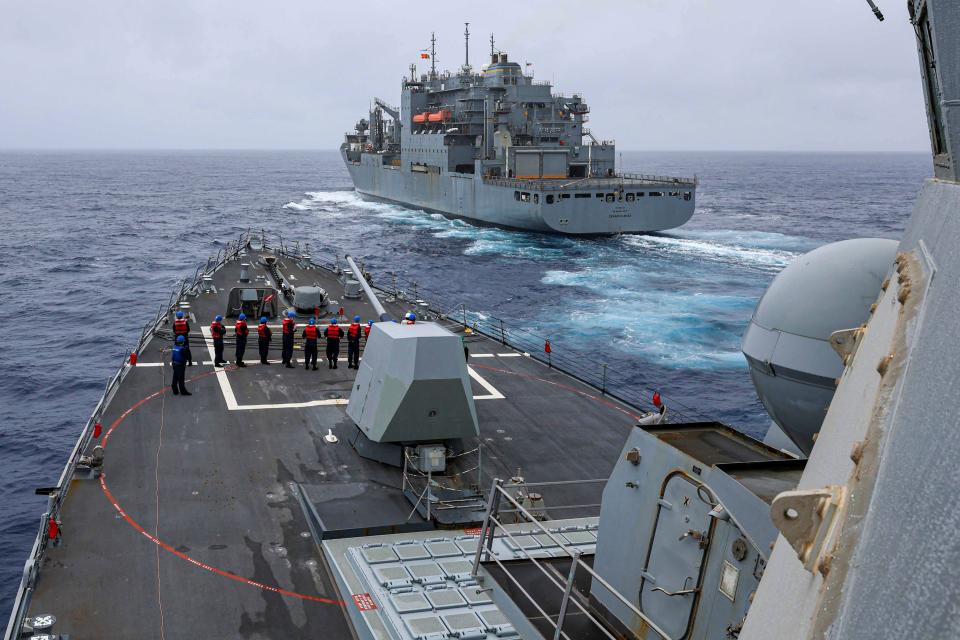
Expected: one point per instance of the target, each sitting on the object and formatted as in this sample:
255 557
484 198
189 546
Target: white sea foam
766 251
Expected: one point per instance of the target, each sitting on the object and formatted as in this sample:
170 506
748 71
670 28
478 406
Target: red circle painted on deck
232 576
166 547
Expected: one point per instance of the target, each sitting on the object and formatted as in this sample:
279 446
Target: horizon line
336 150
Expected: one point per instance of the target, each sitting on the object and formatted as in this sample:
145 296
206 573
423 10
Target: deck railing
492 523
625 180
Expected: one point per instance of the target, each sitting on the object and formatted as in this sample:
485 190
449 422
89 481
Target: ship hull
514 205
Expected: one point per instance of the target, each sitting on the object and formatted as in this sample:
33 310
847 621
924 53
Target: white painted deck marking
492 393
233 405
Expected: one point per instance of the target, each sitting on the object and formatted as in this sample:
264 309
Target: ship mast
466 46
433 56
491 47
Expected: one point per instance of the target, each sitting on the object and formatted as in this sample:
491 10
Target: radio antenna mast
466 46
433 56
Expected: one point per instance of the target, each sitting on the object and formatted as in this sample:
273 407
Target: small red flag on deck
425 56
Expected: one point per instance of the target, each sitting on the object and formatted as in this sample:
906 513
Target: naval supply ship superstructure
438 493
500 148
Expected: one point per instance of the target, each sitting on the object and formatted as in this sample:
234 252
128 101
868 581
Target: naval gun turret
412 389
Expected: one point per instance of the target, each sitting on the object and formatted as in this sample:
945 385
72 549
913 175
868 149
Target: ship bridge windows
656 194
581 195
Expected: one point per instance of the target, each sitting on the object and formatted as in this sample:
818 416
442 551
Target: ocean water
93 242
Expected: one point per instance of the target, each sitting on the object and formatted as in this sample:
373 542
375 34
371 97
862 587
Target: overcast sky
658 74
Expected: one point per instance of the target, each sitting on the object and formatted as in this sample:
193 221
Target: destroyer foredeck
196 528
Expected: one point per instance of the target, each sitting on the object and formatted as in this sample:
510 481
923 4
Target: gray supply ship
499 148
466 482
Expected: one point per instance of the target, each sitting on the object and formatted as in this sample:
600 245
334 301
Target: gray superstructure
498 147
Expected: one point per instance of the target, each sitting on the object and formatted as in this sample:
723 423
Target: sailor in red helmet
354 331
181 327
333 333
310 335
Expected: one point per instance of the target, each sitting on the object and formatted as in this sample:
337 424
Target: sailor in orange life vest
310 336
241 331
333 333
353 343
181 327
366 329
289 329
263 339
218 331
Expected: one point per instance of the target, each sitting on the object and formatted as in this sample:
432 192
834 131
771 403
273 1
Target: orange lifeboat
439 116
420 118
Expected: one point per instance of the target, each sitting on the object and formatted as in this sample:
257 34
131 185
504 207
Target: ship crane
394 113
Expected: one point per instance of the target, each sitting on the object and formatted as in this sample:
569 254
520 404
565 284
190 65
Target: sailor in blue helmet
178 358
264 333
333 333
411 318
218 331
354 331
310 336
241 331
289 329
181 327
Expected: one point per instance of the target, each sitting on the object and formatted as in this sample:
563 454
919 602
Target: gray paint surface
413 386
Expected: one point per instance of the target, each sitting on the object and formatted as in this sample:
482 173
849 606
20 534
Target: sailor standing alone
333 333
241 331
178 358
310 336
